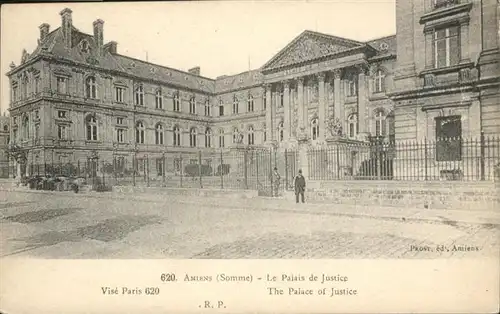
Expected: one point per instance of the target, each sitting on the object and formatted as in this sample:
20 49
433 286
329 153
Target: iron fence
441 159
247 168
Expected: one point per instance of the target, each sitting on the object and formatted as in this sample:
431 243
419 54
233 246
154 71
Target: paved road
64 226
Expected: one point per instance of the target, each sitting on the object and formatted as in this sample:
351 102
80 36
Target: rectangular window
446 47
159 101
61 132
61 85
221 110
119 120
207 109
120 135
14 93
62 114
159 166
449 138
119 92
37 85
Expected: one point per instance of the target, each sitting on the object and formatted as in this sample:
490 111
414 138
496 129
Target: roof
307 46
238 81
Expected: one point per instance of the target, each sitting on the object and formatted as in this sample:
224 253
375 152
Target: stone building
75 96
4 141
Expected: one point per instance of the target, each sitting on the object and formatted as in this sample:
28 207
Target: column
338 99
287 109
300 105
362 101
269 121
322 114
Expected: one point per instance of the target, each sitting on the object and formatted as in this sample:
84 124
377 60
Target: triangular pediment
309 46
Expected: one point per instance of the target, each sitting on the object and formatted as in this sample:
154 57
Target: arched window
380 125
250 103
264 101
264 132
235 135
281 131
221 138
26 127
250 135
208 137
176 102
6 128
235 105
159 134
314 129
207 108
139 132
91 87
192 137
139 95
352 123
379 81
352 85
91 125
177 136
159 99
192 105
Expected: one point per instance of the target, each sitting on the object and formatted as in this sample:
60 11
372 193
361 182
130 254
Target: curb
317 210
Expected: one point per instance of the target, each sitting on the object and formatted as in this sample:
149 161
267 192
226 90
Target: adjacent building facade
75 95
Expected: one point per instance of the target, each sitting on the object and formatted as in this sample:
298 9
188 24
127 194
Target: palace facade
439 76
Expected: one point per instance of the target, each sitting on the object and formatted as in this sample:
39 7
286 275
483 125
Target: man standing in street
300 186
276 182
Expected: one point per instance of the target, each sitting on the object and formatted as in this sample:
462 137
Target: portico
312 79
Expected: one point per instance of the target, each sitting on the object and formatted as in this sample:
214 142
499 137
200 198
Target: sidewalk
442 216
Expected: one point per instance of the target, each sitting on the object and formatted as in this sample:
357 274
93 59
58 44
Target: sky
222 37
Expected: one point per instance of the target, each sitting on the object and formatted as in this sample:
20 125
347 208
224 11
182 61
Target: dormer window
84 46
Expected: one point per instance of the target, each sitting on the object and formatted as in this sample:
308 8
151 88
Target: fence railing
228 169
441 159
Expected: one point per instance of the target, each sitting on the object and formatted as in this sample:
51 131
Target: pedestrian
300 186
276 182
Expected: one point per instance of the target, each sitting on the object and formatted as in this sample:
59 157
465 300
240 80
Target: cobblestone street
62 225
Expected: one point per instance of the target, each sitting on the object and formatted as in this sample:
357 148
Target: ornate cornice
448 11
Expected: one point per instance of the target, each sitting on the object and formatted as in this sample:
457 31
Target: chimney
98 33
111 47
195 71
44 31
67 25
